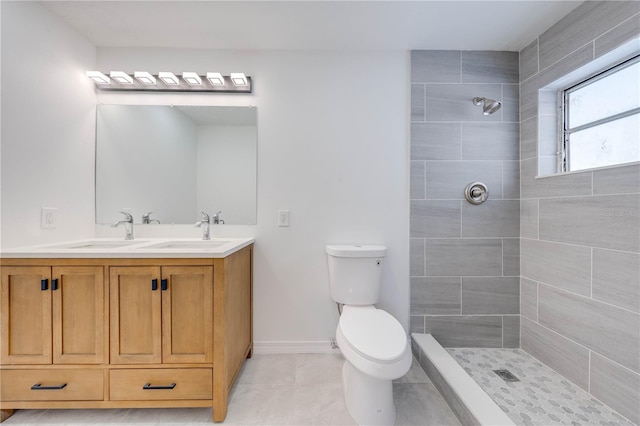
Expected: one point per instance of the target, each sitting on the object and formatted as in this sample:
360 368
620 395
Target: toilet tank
355 273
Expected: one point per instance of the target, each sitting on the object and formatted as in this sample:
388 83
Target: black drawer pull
38 386
154 284
163 284
54 284
149 387
44 284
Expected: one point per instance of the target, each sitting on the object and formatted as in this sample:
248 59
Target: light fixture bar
169 78
215 78
238 79
192 78
142 81
144 77
98 77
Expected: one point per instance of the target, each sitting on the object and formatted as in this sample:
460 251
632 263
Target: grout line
591 275
562 243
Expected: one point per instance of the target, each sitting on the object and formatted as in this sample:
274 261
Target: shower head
489 106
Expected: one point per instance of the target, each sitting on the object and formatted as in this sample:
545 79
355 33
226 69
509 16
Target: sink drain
506 375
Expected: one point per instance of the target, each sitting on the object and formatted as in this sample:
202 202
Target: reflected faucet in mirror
216 219
146 219
204 223
128 225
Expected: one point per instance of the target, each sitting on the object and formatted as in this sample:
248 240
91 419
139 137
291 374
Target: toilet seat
373 333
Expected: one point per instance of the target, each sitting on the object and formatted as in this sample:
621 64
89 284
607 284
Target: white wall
147 159
227 172
332 148
48 125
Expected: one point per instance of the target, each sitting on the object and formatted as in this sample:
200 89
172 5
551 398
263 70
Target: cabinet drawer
51 385
161 384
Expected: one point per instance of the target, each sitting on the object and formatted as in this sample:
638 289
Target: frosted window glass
610 95
611 143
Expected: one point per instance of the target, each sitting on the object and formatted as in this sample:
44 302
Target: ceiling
313 25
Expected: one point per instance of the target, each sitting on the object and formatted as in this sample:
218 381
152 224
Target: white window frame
564 125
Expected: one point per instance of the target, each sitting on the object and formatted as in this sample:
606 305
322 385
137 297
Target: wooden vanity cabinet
124 333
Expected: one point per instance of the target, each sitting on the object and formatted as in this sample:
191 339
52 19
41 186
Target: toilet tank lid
356 250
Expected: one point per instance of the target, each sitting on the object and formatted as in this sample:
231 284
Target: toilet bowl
376 352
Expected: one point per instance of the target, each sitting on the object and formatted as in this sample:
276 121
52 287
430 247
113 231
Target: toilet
373 342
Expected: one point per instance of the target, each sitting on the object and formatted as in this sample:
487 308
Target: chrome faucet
147 220
216 218
204 223
128 225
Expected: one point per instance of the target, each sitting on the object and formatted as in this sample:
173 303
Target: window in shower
600 124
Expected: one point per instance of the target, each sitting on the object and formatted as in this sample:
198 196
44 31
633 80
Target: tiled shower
549 264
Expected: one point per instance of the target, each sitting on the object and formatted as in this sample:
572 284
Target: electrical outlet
283 217
48 217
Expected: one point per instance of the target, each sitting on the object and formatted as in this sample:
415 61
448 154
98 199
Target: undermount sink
100 244
200 244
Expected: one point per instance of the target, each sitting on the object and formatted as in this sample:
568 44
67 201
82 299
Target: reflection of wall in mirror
226 177
145 159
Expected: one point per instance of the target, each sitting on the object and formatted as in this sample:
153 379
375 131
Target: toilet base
369 400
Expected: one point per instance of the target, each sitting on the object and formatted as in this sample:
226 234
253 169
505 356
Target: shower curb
466 398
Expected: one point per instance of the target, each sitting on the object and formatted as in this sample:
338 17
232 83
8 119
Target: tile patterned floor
290 389
541 397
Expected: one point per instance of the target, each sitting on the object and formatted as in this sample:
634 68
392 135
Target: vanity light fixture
121 77
144 77
142 81
98 77
192 78
169 78
238 79
215 78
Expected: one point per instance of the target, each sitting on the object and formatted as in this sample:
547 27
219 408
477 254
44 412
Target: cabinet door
135 315
25 306
187 314
78 321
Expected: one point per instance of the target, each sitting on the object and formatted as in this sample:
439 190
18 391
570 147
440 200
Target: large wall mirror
175 161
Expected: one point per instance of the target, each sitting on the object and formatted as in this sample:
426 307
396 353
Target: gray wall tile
448 179
453 102
616 386
417 189
529 98
511 257
617 180
435 218
510 103
416 250
493 218
529 299
617 36
561 265
529 60
511 331
417 102
416 324
616 278
489 67
566 357
511 180
585 23
469 257
607 221
435 66
467 331
529 138
435 296
436 141
490 141
551 186
496 295
611 331
529 218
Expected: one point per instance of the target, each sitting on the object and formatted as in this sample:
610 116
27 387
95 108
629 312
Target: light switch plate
283 218
48 216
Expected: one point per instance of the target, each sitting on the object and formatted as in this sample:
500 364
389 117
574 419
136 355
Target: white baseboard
293 347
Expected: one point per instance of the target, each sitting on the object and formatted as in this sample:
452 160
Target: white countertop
137 248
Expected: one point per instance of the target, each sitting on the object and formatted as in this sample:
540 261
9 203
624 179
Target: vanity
109 323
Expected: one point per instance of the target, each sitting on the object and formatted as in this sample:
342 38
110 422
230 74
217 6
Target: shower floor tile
541 397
